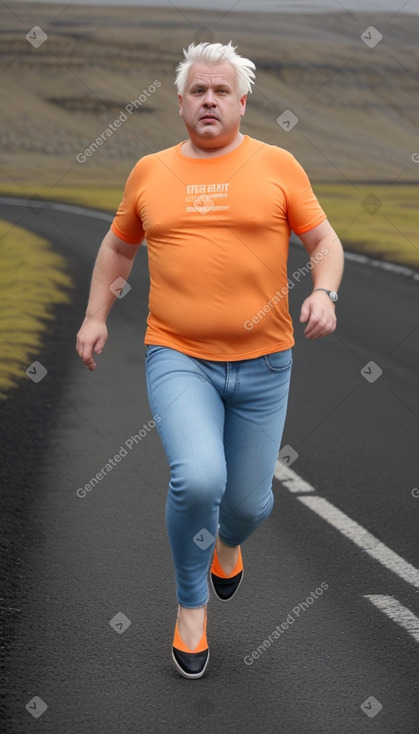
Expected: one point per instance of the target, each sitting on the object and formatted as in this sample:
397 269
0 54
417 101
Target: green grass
390 233
33 280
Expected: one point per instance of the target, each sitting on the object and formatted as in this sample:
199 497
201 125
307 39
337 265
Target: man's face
211 107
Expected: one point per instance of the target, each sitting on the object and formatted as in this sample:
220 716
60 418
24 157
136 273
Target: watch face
333 296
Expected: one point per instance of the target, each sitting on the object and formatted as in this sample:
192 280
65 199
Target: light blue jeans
221 427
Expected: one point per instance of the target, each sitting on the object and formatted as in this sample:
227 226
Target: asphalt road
88 602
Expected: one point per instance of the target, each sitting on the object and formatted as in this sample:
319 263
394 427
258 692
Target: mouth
208 117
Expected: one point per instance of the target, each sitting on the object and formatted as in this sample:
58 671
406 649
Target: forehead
221 73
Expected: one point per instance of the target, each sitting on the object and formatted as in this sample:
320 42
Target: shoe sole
190 675
225 601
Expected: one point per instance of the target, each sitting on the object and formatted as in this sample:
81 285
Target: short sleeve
127 224
303 208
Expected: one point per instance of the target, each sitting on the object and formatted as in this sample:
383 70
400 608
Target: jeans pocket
279 361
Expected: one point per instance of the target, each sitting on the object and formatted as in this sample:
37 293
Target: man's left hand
318 313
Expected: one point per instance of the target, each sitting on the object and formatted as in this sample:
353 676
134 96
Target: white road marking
363 539
397 612
348 527
294 483
290 479
72 208
86 212
374 263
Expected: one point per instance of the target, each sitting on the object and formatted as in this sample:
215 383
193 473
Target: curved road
324 635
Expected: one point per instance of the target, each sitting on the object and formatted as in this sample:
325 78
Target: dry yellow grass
376 220
371 219
356 135
356 105
33 280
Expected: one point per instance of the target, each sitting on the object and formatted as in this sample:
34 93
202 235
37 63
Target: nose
209 99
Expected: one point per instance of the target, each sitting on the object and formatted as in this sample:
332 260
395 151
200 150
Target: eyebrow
198 85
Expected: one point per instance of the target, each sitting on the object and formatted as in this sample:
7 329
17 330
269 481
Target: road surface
323 636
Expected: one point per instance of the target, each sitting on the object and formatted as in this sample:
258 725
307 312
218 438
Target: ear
180 98
243 101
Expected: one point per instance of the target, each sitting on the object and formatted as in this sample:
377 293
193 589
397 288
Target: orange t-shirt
217 231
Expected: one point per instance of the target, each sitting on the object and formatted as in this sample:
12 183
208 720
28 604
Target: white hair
214 53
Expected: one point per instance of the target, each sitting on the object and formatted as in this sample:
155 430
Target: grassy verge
32 281
374 219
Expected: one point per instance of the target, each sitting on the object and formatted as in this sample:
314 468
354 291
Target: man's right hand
91 339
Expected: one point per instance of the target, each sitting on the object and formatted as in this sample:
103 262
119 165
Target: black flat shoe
191 663
225 586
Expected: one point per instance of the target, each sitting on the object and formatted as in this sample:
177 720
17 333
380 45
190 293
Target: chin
206 126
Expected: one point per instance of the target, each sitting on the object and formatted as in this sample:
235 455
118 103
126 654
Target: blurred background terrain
357 105
72 75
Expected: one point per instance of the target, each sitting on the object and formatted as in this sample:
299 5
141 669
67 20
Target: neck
196 150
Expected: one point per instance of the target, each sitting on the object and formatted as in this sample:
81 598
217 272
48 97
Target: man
217 211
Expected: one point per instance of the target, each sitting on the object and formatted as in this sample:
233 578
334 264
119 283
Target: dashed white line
397 612
349 528
291 480
295 484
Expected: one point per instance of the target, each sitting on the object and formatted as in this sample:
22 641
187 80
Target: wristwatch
332 294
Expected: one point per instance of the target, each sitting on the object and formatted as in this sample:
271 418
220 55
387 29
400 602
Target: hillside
357 106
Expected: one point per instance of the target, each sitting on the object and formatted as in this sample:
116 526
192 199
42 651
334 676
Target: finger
86 354
321 327
89 361
99 345
305 313
313 324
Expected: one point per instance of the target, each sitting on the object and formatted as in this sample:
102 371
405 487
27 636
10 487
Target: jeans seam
236 386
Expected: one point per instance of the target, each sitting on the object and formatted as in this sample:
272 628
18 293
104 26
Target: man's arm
114 260
326 254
